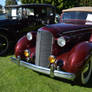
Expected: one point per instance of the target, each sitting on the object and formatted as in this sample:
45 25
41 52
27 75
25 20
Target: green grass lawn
20 79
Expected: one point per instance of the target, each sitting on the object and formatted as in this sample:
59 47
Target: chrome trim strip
61 74
35 67
65 75
78 30
14 60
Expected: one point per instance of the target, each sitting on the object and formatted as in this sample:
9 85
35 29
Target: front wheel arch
87 69
86 73
4 44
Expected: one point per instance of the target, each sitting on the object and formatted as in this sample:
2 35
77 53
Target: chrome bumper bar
44 70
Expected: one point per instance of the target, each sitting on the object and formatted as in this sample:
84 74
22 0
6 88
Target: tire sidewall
7 46
85 81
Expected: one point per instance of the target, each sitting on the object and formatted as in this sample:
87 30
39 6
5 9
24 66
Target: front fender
23 44
75 59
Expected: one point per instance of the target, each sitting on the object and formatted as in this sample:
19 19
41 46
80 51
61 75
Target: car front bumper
61 74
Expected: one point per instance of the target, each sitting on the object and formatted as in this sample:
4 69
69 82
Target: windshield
76 15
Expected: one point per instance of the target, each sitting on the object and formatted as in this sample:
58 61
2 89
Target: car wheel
4 44
86 72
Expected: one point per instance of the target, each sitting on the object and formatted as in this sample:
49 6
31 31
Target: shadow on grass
9 52
73 83
89 84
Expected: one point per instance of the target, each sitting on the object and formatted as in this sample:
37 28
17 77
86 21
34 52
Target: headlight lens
29 36
61 41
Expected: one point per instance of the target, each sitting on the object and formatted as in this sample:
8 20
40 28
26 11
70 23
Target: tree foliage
61 4
10 2
85 2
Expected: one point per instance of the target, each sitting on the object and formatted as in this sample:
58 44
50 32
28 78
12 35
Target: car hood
6 22
60 28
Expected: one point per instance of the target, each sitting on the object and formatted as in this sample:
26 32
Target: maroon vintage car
63 50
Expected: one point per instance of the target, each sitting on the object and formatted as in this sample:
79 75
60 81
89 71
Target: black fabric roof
29 5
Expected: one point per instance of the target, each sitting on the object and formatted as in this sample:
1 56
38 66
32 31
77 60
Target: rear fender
76 58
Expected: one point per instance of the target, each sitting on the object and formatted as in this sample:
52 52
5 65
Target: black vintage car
19 19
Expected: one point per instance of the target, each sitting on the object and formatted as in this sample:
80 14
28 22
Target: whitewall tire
86 73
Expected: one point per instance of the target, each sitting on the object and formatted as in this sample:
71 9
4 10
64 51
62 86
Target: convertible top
84 9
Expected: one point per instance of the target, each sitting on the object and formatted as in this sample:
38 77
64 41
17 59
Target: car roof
84 9
30 5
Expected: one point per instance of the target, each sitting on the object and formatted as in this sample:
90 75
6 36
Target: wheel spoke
86 69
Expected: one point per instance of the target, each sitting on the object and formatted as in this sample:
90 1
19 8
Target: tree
61 4
10 2
32 1
85 2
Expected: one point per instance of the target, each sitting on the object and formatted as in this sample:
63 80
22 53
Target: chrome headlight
29 36
61 41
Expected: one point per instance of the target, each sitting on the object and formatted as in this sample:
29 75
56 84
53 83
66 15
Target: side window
50 12
30 12
24 12
66 16
27 12
14 13
8 12
20 12
44 12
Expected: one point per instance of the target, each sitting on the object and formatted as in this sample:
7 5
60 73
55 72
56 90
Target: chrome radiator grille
43 48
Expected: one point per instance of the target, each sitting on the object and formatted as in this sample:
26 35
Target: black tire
86 72
4 44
